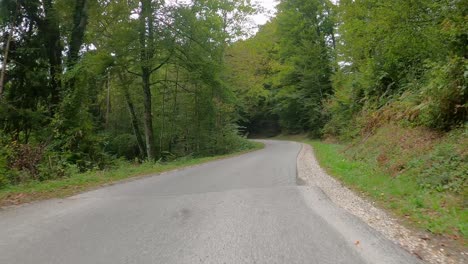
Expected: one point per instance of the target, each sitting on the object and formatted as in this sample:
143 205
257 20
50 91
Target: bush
20 163
445 170
3 181
25 159
344 106
444 98
4 151
229 141
431 159
55 166
123 145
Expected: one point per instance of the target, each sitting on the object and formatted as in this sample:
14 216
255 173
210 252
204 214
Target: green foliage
445 170
3 180
4 170
55 166
400 62
229 140
81 181
123 145
21 163
283 73
251 70
438 212
24 161
73 96
344 105
434 161
444 97
303 30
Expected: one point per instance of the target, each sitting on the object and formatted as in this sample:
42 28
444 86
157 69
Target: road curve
246 209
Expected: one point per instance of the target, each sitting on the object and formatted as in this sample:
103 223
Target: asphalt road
246 209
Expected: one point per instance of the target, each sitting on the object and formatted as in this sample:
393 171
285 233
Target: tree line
84 82
344 69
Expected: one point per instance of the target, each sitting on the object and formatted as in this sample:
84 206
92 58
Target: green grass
438 212
15 194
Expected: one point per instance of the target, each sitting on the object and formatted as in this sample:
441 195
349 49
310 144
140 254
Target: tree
160 65
391 54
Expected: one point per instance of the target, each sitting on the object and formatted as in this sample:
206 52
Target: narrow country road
246 209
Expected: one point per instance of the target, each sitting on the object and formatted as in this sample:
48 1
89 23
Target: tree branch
134 73
162 63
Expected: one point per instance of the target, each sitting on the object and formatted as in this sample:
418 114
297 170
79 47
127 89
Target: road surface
246 209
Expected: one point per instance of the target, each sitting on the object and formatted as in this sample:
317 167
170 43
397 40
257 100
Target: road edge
309 171
131 178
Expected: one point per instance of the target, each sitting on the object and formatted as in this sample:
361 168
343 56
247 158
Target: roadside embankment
384 222
415 180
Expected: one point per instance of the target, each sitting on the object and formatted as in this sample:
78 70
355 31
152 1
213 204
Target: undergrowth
419 174
81 181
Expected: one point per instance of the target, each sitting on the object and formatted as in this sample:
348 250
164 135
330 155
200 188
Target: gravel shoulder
310 172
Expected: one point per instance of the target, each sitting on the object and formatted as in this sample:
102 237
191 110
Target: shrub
123 145
445 170
444 98
229 140
3 181
55 166
4 153
20 163
26 157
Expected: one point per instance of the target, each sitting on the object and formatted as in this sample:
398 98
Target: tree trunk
163 113
146 55
197 114
133 117
108 104
7 51
5 61
54 52
49 26
80 20
148 116
174 111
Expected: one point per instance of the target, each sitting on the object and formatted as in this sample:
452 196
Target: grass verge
31 191
438 212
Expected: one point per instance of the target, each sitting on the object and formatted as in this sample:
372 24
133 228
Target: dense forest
86 82
386 77
335 69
